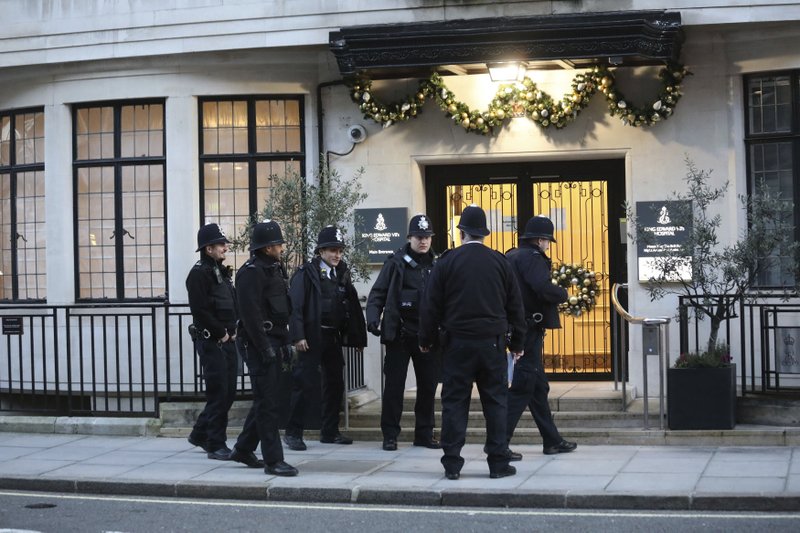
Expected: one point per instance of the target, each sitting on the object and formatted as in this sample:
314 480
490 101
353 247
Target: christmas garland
524 98
582 285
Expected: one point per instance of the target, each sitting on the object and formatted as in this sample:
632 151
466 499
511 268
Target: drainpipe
320 117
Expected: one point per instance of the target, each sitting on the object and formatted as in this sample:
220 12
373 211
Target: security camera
356 134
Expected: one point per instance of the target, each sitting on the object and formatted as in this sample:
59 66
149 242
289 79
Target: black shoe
295 443
390 445
452 475
222 454
281 468
194 441
513 456
562 447
431 443
246 458
505 471
336 439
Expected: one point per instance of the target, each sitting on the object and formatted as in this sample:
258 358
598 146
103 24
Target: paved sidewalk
603 476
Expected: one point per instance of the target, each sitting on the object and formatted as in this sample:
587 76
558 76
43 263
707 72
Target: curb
78 425
411 497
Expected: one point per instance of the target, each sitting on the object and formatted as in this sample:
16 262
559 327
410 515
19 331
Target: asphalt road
46 512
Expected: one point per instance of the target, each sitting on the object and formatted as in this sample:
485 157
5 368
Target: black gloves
374 328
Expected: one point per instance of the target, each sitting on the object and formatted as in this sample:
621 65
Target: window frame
792 136
118 163
252 157
13 169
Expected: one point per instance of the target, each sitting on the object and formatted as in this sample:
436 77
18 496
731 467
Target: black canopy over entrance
572 40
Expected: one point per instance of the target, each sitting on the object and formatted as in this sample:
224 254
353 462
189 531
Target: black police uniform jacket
539 295
472 293
212 298
387 294
263 301
306 296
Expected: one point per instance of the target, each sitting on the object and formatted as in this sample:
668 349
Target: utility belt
203 334
272 329
198 334
534 320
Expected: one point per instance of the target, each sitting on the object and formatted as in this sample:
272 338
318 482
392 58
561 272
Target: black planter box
701 398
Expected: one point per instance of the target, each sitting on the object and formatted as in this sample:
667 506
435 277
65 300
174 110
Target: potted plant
701 390
713 279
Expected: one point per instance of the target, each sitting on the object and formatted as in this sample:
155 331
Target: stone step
584 419
741 435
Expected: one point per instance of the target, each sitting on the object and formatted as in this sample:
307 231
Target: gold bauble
465 123
585 290
587 282
452 108
573 300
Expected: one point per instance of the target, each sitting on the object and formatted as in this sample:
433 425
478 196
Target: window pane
771 166
5 237
139 137
30 236
143 230
5 140
226 201
22 215
770 104
96 231
121 223
228 127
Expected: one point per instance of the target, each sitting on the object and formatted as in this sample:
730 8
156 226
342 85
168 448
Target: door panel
578 211
582 199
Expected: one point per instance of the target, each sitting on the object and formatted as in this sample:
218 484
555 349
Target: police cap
473 221
210 234
265 234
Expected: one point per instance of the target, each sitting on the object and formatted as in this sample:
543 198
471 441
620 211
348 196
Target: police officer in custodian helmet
473 296
326 315
393 314
529 387
212 301
264 308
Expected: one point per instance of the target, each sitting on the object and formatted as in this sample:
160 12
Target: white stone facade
59 53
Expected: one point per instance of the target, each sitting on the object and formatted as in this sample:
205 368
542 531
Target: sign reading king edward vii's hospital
382 231
665 226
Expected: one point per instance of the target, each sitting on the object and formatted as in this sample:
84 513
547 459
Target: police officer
326 315
396 295
529 387
212 301
264 309
473 297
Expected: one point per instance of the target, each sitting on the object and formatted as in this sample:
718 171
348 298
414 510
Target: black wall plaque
12 325
667 225
382 231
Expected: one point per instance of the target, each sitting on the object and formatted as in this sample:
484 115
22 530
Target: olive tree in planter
701 388
303 208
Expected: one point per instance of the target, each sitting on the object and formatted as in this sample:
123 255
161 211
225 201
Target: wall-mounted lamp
506 71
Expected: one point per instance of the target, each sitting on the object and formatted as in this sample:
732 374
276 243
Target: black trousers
219 372
329 359
468 361
261 424
529 388
395 369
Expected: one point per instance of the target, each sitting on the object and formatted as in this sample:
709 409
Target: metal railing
662 325
106 359
764 330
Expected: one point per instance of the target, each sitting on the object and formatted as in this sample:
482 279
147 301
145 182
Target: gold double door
584 201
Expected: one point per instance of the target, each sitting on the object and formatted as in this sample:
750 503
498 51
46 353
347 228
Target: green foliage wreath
525 98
